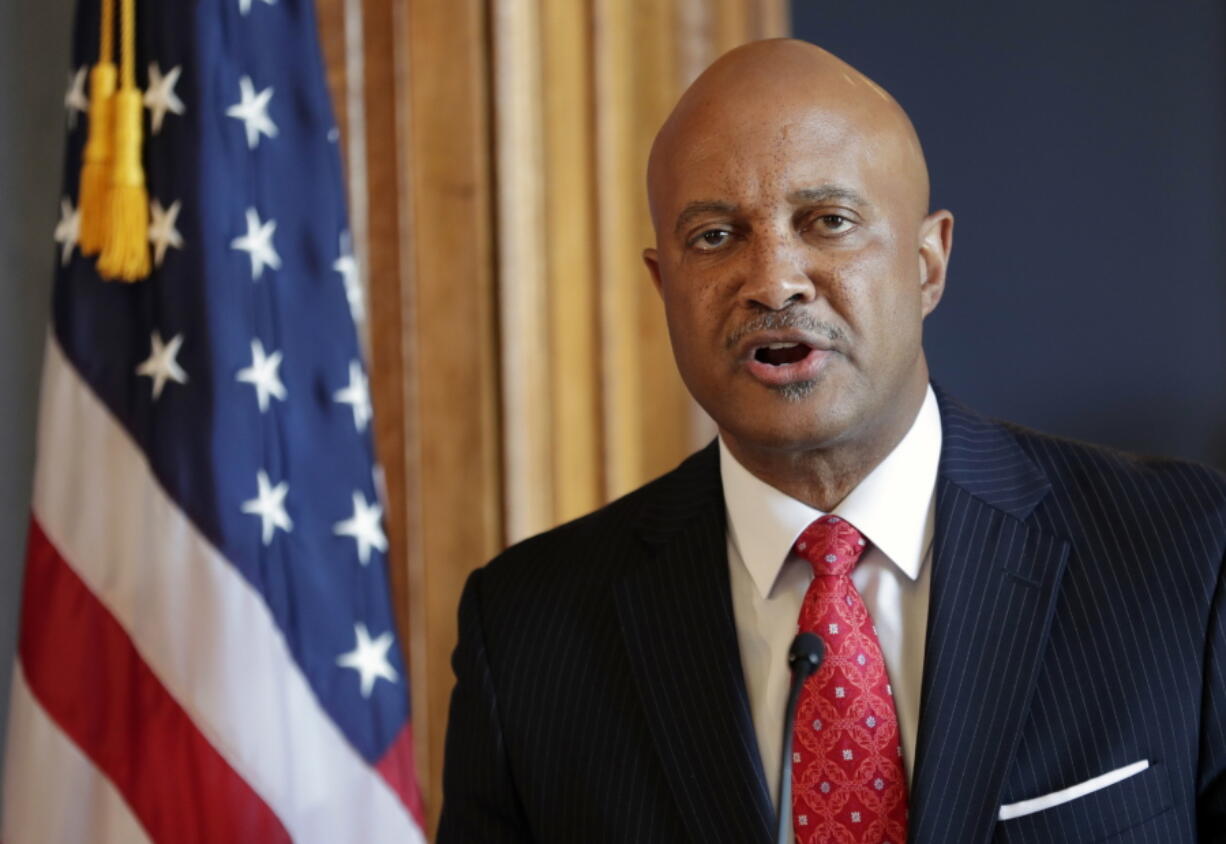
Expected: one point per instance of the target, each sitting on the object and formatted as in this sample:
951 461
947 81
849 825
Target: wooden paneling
617 263
527 419
571 258
451 354
520 365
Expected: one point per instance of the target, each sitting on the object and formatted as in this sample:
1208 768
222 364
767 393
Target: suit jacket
1077 625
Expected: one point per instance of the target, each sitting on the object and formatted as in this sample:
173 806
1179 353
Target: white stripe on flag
200 627
44 766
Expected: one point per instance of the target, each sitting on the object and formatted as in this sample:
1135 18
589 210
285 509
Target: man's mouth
781 354
780 361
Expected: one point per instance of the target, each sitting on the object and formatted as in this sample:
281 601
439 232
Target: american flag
207 648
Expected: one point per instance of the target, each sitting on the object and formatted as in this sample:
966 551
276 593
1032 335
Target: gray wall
33 79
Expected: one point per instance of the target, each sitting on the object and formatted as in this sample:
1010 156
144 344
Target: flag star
257 242
262 374
253 111
161 365
269 505
75 100
160 96
347 266
369 658
162 231
363 526
244 6
67 230
357 393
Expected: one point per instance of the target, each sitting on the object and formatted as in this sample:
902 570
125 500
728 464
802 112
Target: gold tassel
125 255
125 250
96 166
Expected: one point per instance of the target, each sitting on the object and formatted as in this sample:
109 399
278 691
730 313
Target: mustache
775 320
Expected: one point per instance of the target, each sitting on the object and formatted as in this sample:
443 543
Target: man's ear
935 244
652 259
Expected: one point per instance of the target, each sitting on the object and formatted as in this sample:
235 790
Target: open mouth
783 362
781 354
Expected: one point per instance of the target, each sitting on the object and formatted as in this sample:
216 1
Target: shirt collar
894 506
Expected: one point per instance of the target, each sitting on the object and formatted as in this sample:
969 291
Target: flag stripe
198 624
51 766
84 670
396 768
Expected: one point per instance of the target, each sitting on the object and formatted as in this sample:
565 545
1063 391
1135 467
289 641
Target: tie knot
832 546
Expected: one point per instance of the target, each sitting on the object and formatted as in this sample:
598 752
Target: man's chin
795 391
792 427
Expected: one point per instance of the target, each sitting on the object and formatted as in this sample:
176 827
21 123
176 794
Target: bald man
1025 637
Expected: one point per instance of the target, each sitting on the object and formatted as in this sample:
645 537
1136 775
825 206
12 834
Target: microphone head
805 655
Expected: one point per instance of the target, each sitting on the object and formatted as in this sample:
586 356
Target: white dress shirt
894 508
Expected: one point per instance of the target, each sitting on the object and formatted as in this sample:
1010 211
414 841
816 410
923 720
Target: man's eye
834 223
712 239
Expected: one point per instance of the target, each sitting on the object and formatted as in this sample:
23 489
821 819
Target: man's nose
776 275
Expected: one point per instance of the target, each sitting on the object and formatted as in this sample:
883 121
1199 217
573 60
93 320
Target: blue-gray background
1082 148
1081 145
33 80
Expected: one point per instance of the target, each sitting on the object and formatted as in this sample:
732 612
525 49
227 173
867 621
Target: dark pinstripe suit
1077 624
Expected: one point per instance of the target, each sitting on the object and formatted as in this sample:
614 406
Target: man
1026 637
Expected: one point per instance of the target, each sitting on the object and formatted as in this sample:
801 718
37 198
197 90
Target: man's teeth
782 345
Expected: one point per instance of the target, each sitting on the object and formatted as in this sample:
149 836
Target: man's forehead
783 111
754 163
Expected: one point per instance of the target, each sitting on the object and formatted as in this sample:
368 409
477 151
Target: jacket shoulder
1110 490
595 548
1074 465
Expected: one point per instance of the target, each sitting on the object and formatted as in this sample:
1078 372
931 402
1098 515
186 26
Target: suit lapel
995 580
676 618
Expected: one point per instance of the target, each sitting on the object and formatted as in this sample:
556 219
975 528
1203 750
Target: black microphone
804 658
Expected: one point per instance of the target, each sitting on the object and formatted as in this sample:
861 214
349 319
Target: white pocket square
1064 795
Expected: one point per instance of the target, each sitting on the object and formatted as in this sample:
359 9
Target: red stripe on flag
83 669
396 768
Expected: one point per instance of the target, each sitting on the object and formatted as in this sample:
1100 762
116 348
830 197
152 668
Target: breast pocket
1095 816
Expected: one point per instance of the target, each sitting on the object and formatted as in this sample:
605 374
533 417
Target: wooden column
520 365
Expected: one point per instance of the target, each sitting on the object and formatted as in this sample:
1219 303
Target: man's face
796 267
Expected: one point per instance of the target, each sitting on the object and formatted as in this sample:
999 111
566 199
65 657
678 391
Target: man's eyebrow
707 206
827 193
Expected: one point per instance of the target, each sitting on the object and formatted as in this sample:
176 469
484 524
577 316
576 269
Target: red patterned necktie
847 775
